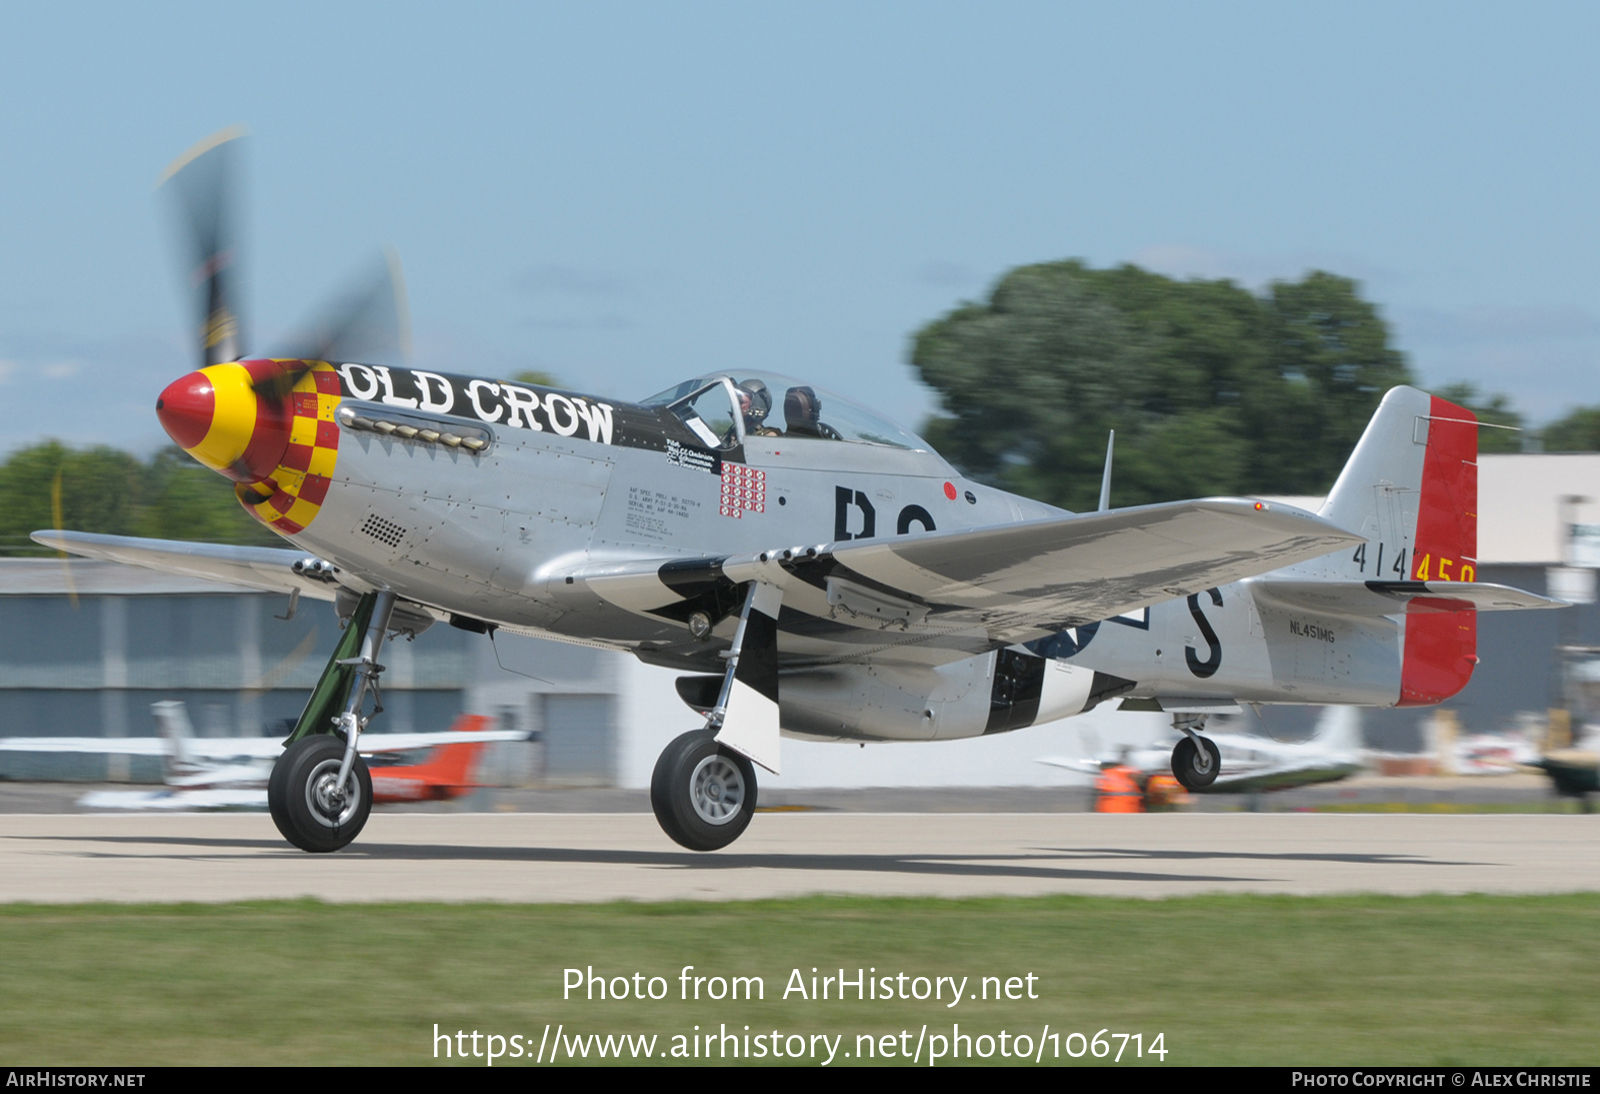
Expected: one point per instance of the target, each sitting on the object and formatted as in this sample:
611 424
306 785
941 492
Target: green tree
1492 409
184 500
1579 431
536 377
1211 389
104 490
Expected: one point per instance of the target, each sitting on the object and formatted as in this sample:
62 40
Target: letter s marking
1213 661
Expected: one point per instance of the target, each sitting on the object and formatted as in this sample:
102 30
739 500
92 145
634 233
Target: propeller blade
201 184
370 323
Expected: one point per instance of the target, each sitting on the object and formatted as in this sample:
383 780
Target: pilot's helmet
760 400
801 409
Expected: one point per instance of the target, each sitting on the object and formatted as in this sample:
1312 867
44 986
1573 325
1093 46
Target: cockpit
723 409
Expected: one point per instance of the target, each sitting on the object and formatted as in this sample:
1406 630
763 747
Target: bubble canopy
780 406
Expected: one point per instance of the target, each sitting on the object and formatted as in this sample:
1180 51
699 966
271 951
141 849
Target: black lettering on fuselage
842 500
914 514
1213 661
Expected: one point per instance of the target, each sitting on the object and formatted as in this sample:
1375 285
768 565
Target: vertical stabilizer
172 718
1410 489
1338 731
449 766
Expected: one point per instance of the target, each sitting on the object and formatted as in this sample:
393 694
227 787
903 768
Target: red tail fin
1441 648
446 773
449 764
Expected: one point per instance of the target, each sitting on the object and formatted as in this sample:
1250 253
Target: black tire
277 798
1189 767
301 806
660 798
703 794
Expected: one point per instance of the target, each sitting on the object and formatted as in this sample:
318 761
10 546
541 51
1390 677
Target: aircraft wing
267 568
405 742
1283 776
255 748
1062 571
103 746
1002 583
174 800
1082 767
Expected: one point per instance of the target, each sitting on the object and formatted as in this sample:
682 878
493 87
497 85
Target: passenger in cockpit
802 411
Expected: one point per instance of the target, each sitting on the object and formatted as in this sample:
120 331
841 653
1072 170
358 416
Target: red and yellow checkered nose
218 417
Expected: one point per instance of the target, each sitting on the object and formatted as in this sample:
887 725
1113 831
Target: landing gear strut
1196 760
320 793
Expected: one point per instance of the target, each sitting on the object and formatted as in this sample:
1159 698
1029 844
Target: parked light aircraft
233 772
1574 772
812 568
1254 764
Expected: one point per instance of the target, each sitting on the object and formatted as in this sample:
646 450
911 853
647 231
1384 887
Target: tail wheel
308 806
1196 768
703 794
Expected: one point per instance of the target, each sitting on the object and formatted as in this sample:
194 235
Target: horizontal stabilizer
1380 598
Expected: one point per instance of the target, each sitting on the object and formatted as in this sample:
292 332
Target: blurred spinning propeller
369 322
233 413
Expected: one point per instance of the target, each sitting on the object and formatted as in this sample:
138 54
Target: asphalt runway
576 857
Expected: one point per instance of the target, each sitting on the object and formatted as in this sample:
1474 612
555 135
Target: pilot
755 403
801 411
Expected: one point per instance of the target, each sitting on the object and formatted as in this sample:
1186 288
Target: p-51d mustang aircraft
816 571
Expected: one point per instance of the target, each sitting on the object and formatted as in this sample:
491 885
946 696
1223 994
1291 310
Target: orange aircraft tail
445 774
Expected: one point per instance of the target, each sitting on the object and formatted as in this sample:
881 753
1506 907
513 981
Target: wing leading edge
268 568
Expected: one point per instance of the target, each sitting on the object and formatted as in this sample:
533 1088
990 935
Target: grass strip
1226 979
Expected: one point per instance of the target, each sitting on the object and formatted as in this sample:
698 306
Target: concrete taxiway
576 857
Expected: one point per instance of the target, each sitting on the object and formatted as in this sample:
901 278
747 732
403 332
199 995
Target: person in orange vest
1117 789
1163 793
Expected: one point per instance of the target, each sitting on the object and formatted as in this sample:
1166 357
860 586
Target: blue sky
627 194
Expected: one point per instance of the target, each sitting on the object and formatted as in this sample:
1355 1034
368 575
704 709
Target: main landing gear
703 790
703 793
1196 760
320 793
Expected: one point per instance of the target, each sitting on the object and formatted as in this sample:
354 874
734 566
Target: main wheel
703 794
1196 768
307 807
